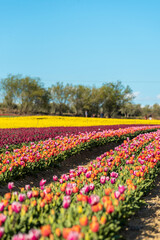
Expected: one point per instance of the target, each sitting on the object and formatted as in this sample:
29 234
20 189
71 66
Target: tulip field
91 202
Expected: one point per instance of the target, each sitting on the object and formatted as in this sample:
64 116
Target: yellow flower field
58 121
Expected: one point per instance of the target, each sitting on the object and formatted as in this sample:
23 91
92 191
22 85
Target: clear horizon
84 42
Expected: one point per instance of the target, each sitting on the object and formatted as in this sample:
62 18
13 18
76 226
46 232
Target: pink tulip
93 199
86 189
61 180
105 169
2 218
1 206
55 178
1 231
16 207
88 174
102 179
117 194
66 201
66 178
68 191
27 187
91 187
73 236
20 236
21 197
114 174
71 175
29 194
84 170
121 188
107 178
34 234
113 180
42 182
10 185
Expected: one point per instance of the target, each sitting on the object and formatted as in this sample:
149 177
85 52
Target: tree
95 101
81 99
61 95
28 93
156 110
130 110
146 111
114 96
9 87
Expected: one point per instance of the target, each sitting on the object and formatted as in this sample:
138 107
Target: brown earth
144 225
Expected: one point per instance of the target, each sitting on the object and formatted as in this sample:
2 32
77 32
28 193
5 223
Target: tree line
26 95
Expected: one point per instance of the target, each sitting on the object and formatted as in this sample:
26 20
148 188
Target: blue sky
87 42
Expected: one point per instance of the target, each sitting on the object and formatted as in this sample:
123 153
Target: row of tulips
88 203
12 138
44 153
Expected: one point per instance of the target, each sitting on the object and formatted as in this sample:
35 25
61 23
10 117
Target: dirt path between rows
144 225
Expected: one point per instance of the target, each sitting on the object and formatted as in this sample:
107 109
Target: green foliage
114 96
27 94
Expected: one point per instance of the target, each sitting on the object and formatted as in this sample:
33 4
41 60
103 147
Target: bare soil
145 224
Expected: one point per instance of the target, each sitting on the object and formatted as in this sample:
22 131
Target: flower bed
89 203
45 153
11 138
